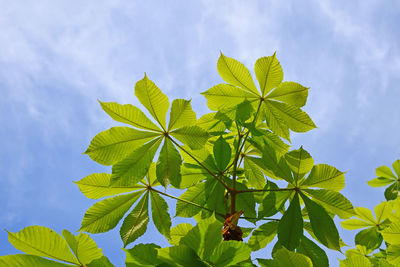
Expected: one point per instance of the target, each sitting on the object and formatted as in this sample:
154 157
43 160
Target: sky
57 58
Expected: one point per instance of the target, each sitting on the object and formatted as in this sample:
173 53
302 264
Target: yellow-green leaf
290 92
181 114
325 176
152 99
269 73
84 248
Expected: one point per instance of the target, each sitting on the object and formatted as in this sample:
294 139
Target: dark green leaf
369 238
142 255
180 256
322 224
229 253
290 227
313 251
222 153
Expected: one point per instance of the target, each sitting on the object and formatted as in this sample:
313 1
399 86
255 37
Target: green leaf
129 114
313 251
396 167
142 255
278 166
332 201
195 195
222 153
244 111
178 232
114 144
300 161
135 224
235 73
160 215
229 253
215 196
369 238
296 119
355 261
263 235
209 123
42 241
180 256
385 171
169 165
322 224
391 234
365 214
325 176
269 73
97 185
290 92
134 167
105 215
353 224
392 191
23 260
290 227
193 136
246 202
223 96
101 262
192 174
181 114
274 121
254 175
393 254
204 237
380 181
84 248
152 99
286 258
383 211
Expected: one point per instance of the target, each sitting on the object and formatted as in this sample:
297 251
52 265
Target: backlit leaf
160 215
84 248
269 73
152 99
178 232
263 235
290 92
325 176
144 255
194 194
181 114
290 227
229 253
193 136
169 165
23 260
300 161
313 251
180 256
222 153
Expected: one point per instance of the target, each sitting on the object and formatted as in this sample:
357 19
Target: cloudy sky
58 57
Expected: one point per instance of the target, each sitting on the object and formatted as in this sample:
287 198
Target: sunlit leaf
391 234
222 153
235 73
181 114
84 248
300 161
290 92
152 99
113 145
134 167
393 254
325 176
356 261
129 114
180 256
169 165
97 185
269 73
160 215
254 175
313 251
105 215
193 136
135 224
194 194
263 235
229 253
142 255
369 238
23 260
178 232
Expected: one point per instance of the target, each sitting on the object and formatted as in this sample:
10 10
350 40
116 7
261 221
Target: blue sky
58 57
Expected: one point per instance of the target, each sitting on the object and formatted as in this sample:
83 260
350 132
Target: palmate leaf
42 241
178 232
105 215
386 177
235 73
332 201
229 253
169 165
275 122
152 99
224 96
83 246
370 238
23 260
180 256
133 168
313 251
97 185
254 175
160 215
286 258
393 254
391 234
222 153
193 136
195 194
290 92
192 174
322 224
269 73
263 235
324 176
113 145
290 227
144 255
300 162
135 224
209 123
246 202
129 114
181 114
355 261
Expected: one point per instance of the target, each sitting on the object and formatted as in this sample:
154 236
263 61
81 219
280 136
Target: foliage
231 164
